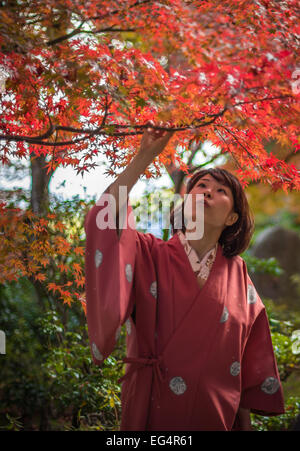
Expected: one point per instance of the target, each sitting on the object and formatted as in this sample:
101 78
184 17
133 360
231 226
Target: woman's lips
203 201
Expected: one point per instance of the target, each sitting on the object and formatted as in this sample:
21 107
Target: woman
199 351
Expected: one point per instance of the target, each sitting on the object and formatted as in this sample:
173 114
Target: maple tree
86 77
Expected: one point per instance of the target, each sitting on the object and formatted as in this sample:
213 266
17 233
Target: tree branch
261 100
66 36
111 29
238 142
79 31
39 140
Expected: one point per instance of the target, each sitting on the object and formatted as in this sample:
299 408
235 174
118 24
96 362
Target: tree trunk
39 205
39 185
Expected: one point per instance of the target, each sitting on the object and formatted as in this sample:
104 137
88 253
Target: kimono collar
201 267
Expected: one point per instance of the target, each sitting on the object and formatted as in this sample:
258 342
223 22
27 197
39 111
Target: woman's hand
154 141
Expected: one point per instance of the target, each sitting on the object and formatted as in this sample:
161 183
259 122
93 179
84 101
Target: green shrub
48 379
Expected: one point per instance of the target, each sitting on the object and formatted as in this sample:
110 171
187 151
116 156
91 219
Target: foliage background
84 78
48 380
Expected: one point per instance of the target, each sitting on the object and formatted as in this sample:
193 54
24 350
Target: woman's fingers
154 140
157 133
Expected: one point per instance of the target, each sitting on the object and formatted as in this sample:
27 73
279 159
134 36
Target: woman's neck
204 244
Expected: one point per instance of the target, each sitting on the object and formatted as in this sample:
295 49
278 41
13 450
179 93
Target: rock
284 245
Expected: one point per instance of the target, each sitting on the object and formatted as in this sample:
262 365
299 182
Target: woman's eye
221 189
202 184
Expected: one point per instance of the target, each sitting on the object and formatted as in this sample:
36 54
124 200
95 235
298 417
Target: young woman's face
218 202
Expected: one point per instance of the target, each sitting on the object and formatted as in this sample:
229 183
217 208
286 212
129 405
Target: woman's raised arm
152 144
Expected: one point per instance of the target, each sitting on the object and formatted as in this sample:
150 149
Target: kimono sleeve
261 386
109 274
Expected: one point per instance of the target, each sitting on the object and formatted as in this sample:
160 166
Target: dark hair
234 239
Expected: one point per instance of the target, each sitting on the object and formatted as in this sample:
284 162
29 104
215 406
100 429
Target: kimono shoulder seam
147 238
238 263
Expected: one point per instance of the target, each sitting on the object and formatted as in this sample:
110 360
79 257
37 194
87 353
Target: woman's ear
232 218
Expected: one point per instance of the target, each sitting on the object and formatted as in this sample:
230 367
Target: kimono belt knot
141 362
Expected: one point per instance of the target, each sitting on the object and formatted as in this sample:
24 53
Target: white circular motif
98 258
235 369
177 385
153 289
270 385
225 315
97 354
128 326
128 272
251 295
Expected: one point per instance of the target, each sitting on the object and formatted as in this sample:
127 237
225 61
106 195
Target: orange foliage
87 77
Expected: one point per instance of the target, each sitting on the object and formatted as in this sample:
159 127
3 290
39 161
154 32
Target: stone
284 245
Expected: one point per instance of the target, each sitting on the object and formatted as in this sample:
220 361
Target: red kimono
193 355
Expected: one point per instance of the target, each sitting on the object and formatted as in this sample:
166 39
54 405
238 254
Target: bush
48 380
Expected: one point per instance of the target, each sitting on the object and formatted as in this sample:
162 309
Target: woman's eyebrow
203 179
208 180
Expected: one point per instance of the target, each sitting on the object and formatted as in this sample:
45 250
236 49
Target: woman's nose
207 194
